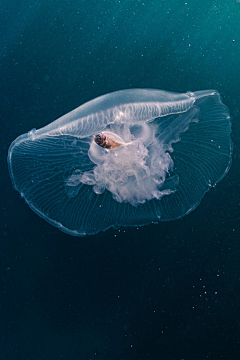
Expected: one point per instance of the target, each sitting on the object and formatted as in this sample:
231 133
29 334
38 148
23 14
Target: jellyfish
128 158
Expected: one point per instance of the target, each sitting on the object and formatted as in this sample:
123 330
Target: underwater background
166 291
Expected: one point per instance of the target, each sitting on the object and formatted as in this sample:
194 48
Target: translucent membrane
177 147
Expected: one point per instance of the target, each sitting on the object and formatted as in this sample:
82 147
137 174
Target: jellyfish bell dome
128 158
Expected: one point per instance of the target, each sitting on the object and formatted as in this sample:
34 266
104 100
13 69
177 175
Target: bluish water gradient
168 291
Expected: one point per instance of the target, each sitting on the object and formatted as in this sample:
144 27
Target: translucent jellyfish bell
173 148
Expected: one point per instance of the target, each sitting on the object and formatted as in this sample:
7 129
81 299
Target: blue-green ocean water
167 291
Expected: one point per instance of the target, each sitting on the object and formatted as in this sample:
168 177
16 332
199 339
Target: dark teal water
167 291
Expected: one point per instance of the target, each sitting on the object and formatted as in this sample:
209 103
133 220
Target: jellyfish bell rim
84 234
